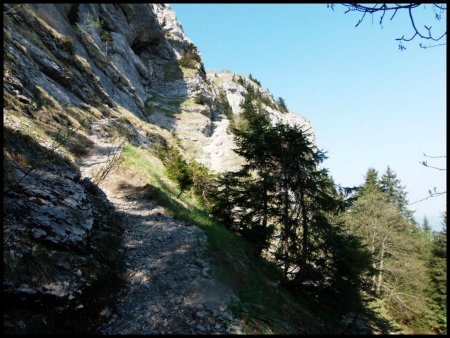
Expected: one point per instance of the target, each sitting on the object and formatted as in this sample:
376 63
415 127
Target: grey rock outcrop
53 225
139 68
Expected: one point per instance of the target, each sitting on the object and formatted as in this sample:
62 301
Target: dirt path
169 289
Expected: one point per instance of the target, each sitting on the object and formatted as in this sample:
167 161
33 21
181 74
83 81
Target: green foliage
241 81
390 184
224 199
253 116
282 105
192 175
177 168
371 182
203 72
266 100
201 182
264 306
106 36
89 22
254 80
437 292
426 225
223 104
255 94
281 200
199 98
68 45
149 108
399 252
190 57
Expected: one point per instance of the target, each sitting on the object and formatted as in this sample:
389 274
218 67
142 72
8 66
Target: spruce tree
223 197
371 181
284 203
255 207
282 105
291 190
390 184
437 268
398 253
426 224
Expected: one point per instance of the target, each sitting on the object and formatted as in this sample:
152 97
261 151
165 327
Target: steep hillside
125 79
134 57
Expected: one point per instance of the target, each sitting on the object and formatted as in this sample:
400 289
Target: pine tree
437 268
283 202
252 115
224 105
282 105
254 146
371 182
223 198
254 80
398 254
290 190
390 184
426 225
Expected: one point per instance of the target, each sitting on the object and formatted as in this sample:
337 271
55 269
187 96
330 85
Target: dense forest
352 248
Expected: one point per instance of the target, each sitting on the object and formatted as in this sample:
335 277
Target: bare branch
114 160
430 46
434 194
433 156
384 8
393 14
424 163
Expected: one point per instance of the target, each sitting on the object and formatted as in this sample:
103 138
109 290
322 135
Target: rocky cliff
67 66
135 57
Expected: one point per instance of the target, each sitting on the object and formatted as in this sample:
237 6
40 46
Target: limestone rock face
235 93
173 30
133 56
218 154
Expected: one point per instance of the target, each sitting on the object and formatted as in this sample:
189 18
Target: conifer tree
398 253
284 202
437 268
371 181
254 146
282 105
224 199
390 184
290 190
426 224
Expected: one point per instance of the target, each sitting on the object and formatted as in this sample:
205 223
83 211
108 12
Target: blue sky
371 104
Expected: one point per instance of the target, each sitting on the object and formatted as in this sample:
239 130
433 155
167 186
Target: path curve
168 286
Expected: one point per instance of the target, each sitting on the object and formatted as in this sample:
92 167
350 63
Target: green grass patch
263 307
149 167
188 71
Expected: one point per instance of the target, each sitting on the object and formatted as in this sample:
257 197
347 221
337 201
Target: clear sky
371 104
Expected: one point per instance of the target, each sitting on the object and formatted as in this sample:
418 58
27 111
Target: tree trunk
305 240
285 216
380 272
